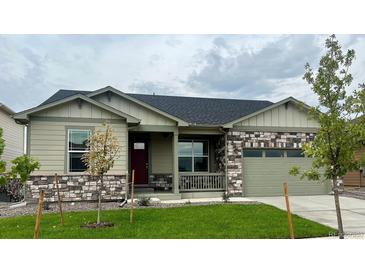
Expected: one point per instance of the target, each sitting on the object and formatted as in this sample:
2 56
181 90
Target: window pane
185 164
274 153
75 162
252 153
294 153
200 164
185 148
78 139
200 148
138 146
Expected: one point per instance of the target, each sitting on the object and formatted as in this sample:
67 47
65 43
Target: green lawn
224 221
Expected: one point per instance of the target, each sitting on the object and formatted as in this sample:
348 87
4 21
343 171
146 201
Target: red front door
139 162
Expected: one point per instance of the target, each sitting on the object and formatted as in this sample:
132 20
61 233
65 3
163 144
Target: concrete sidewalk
321 209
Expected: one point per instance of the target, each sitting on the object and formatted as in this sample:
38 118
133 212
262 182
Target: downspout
26 142
26 135
26 151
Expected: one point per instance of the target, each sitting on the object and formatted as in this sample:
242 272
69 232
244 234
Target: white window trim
192 156
74 151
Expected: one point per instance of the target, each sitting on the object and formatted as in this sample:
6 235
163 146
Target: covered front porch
172 162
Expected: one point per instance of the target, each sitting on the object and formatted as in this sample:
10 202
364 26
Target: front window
295 153
252 153
193 156
274 153
77 139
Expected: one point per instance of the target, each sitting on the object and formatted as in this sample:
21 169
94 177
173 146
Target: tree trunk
338 209
99 201
24 190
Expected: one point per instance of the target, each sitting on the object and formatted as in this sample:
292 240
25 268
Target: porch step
144 190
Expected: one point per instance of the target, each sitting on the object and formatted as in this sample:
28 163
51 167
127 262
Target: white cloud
33 67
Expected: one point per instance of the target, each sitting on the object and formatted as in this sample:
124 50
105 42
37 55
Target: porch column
175 161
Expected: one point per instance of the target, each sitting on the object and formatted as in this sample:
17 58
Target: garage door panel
265 177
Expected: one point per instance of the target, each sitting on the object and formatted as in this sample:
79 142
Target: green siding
48 144
147 116
75 110
282 116
161 153
13 135
265 177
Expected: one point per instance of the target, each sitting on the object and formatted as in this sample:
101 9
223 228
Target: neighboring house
356 178
179 147
13 135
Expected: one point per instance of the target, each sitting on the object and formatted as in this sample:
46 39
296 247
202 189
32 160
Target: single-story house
13 135
179 147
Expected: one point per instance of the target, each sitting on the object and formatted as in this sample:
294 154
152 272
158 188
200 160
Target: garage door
265 171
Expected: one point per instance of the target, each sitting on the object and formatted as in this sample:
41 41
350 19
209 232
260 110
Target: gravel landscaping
31 209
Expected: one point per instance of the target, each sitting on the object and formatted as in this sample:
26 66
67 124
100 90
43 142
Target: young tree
103 148
2 163
22 167
333 148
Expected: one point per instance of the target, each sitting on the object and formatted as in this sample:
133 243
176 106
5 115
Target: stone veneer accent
238 140
76 188
162 181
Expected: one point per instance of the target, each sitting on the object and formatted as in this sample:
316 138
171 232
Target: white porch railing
189 182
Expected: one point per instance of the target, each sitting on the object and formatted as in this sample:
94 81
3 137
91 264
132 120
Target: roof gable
180 122
24 115
192 111
278 115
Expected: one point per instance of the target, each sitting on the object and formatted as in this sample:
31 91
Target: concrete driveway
321 208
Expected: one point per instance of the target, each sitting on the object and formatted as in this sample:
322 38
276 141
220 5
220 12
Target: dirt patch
95 225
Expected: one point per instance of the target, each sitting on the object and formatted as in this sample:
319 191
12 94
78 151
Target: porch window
193 156
77 139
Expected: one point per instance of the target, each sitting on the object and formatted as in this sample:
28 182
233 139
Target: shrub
22 167
14 190
144 201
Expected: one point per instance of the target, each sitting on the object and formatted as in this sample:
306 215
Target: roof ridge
75 90
171 96
192 97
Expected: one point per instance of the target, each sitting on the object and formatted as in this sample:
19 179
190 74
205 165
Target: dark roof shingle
203 111
194 110
63 93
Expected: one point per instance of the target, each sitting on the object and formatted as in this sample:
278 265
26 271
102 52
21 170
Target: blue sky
33 67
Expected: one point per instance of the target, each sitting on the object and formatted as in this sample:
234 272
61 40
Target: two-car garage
265 171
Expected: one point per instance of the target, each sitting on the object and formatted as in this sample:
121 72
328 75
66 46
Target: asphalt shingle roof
63 93
200 111
203 111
